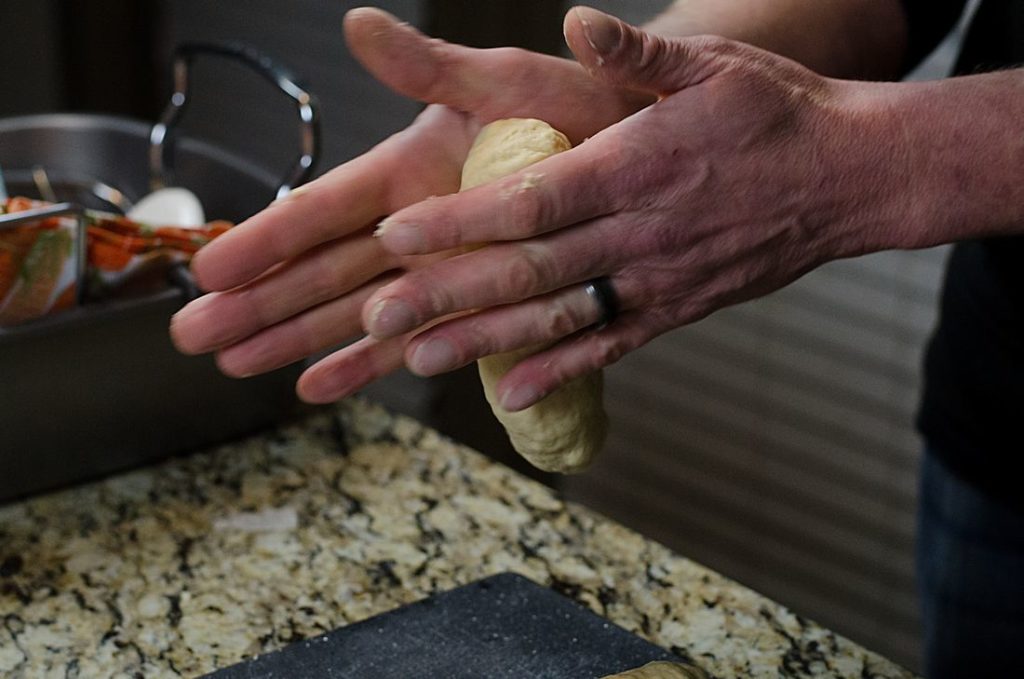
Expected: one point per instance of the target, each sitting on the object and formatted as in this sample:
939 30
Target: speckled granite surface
179 569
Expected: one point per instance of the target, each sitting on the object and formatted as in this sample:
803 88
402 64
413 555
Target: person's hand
749 171
290 281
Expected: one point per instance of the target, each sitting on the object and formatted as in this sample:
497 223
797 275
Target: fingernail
188 311
248 359
520 398
320 392
602 32
401 238
196 318
434 356
233 367
328 386
391 317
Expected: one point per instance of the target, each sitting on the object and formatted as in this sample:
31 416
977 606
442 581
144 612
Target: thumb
626 56
413 64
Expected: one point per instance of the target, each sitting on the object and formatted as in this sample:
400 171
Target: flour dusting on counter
265 520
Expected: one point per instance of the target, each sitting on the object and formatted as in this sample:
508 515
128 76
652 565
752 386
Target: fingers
544 372
495 275
297 337
340 202
619 54
556 192
329 271
422 160
538 321
490 83
347 371
414 65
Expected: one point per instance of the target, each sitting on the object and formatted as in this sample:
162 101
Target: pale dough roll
563 432
506 146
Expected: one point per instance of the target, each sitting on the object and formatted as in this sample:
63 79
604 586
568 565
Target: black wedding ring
601 291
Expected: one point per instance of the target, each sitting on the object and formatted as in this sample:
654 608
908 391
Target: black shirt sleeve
928 22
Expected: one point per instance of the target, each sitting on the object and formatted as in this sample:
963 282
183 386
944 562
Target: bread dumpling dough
507 146
662 670
564 431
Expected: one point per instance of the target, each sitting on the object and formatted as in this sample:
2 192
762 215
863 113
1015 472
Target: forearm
958 155
858 39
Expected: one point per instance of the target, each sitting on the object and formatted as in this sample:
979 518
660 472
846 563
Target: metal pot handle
160 137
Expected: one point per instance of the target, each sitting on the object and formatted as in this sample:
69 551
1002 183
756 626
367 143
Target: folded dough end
561 433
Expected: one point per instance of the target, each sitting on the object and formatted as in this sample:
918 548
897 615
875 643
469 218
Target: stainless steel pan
100 388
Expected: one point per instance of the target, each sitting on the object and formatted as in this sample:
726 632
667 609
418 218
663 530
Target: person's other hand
290 281
748 172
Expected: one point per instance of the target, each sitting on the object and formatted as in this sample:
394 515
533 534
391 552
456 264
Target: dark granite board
504 626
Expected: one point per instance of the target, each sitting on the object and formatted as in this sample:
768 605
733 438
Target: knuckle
439 300
423 296
324 284
559 374
474 341
527 205
445 230
519 275
526 272
445 64
516 66
714 44
508 59
559 320
608 350
307 337
711 54
651 53
251 304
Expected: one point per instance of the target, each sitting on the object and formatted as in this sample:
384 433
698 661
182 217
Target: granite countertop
197 563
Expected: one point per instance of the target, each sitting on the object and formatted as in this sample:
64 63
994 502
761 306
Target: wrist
951 159
858 194
839 38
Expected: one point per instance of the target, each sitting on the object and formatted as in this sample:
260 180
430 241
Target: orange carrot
38 277
108 256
